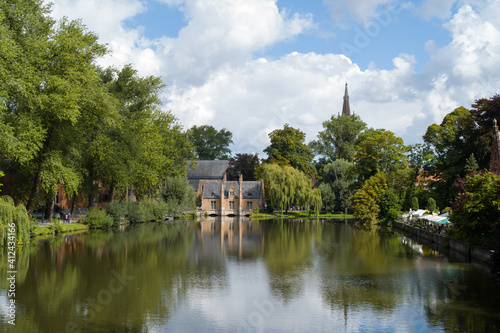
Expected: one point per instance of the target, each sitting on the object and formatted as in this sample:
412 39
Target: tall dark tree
211 144
287 146
244 164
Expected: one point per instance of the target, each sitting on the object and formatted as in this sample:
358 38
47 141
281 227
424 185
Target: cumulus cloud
213 77
221 33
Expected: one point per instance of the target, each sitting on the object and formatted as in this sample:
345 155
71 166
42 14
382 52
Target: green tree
244 164
337 185
476 211
287 146
380 150
178 195
338 138
414 203
447 143
46 109
471 164
366 201
211 144
286 186
431 205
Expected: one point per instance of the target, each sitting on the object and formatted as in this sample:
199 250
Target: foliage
211 144
286 186
431 205
390 205
98 219
379 150
476 211
244 164
337 185
366 201
414 203
448 147
287 146
56 227
178 195
471 165
13 220
136 212
117 210
337 140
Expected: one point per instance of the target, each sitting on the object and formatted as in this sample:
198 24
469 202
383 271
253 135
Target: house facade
222 197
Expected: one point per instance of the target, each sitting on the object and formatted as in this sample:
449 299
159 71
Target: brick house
220 196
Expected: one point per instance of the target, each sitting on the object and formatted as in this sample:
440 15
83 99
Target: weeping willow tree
287 186
12 215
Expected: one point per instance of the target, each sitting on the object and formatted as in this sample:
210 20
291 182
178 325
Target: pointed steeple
346 110
495 150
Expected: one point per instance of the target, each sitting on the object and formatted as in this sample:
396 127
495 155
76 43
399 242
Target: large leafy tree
379 150
148 145
447 142
287 146
211 144
476 211
243 164
337 184
338 138
367 200
43 104
287 186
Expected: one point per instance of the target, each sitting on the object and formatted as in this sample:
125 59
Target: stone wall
462 249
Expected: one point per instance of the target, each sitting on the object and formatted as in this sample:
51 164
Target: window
213 205
231 193
249 205
231 205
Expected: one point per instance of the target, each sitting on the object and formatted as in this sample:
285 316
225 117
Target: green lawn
301 215
46 230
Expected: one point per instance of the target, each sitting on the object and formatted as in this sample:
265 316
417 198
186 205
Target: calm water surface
233 275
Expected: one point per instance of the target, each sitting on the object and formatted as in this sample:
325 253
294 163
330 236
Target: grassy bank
62 228
301 215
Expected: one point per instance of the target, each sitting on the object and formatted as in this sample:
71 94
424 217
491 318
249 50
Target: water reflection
230 274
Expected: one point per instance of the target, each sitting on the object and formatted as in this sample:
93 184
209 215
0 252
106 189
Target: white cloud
221 33
213 78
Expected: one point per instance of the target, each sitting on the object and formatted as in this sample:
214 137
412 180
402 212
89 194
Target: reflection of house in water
230 236
220 196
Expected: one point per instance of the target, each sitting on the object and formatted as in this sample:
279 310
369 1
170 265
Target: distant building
220 196
495 151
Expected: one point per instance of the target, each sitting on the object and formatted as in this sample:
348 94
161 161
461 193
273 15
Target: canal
235 275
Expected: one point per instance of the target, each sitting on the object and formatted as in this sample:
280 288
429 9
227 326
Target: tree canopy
211 144
338 138
288 147
243 164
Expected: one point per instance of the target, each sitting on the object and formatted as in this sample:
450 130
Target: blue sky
252 66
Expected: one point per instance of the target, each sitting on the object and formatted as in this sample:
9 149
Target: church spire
495 150
346 110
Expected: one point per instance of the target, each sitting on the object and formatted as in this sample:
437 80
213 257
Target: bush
97 219
56 226
117 210
160 210
135 212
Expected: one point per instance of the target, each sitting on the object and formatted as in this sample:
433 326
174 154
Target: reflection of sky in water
255 277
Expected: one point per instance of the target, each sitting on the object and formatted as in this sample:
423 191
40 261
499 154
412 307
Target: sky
251 66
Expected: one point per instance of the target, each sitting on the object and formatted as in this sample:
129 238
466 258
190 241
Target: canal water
235 275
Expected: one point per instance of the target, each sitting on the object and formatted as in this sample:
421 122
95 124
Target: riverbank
454 248
60 228
300 215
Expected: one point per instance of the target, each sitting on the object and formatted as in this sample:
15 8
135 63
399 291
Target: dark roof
207 169
194 183
251 190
